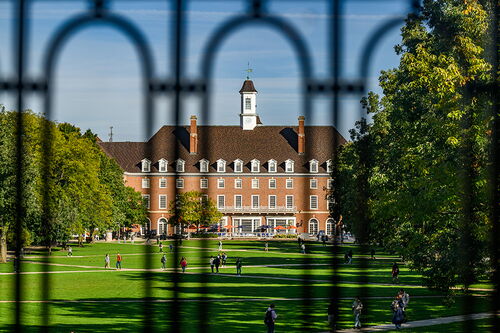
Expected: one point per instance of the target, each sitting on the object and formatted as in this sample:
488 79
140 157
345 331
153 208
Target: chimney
301 147
193 136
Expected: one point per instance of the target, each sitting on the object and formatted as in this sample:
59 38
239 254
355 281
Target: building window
221 183
255 166
162 165
238 201
289 201
331 202
288 166
272 165
272 201
238 166
162 226
163 182
180 166
238 183
162 203
204 198
146 200
221 166
145 165
203 183
221 201
204 166
248 103
313 183
146 182
313 227
329 227
255 183
255 201
329 184
313 202
329 166
289 183
179 183
313 166
272 183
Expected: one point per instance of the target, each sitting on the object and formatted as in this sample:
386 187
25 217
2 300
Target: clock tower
248 115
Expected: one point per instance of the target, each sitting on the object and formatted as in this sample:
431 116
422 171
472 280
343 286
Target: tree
428 138
193 208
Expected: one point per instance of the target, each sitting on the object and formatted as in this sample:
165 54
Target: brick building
258 175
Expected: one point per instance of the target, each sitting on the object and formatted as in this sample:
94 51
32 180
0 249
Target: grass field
85 297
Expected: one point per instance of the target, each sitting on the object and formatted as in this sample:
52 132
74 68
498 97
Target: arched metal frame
152 86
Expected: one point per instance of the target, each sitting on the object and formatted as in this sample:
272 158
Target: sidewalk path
422 323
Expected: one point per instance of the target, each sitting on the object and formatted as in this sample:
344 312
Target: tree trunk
3 245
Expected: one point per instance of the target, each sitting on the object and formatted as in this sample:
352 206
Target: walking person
323 240
224 259
70 251
405 299
212 263
331 317
220 245
270 318
357 307
160 246
238 266
118 261
106 261
163 262
217 264
183 264
266 247
395 273
303 247
171 247
397 311
349 255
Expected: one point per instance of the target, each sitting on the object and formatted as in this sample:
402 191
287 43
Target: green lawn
85 297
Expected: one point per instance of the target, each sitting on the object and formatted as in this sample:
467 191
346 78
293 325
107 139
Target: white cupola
248 116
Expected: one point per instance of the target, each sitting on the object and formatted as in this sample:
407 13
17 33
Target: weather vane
248 70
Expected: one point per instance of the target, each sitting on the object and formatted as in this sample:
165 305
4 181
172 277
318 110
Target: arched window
162 165
330 227
204 165
272 166
313 227
180 165
238 165
255 165
313 166
329 166
289 166
162 228
221 165
145 165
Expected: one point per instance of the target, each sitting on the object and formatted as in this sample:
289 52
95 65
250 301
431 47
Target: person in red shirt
118 261
183 264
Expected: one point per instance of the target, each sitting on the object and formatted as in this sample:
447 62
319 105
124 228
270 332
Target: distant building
261 177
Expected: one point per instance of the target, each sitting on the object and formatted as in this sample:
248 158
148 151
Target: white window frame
329 166
180 165
313 183
160 197
221 165
316 227
162 180
248 103
271 206
221 183
289 166
272 166
238 165
162 165
147 197
313 166
272 180
204 165
179 183
146 165
219 197
313 202
146 183
255 201
329 183
289 183
203 183
329 222
236 205
255 183
238 181
255 166
289 205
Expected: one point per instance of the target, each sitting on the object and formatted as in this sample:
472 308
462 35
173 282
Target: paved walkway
422 323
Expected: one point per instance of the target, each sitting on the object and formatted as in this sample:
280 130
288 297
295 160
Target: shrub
285 236
203 235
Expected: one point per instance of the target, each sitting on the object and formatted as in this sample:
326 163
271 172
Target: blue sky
97 78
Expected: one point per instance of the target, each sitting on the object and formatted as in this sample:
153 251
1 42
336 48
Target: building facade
262 178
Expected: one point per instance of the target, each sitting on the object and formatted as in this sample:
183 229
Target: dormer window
289 166
221 165
273 166
204 165
329 166
146 165
162 165
255 165
179 166
238 165
313 166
